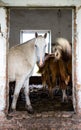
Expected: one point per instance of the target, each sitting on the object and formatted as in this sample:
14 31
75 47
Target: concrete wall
76 44
78 60
3 57
59 21
34 3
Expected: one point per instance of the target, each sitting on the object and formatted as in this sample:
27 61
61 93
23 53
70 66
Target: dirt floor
43 102
41 121
49 114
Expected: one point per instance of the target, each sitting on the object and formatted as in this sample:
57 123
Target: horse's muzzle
40 64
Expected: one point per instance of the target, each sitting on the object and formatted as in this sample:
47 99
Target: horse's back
18 62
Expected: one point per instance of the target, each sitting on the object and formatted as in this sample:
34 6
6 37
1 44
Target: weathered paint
74 58
77 44
78 49
34 3
3 59
78 59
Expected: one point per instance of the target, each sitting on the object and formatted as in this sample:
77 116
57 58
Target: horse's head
40 47
57 51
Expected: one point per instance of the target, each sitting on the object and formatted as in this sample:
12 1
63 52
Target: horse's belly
17 70
18 65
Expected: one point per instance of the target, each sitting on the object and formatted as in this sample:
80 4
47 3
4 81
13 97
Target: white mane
64 43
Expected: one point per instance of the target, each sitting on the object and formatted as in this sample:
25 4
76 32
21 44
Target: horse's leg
64 96
63 88
26 91
19 84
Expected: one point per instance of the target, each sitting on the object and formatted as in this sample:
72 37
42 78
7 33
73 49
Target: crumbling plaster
3 36
78 59
40 2
77 44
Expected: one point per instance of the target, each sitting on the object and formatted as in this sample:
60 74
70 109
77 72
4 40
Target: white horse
21 61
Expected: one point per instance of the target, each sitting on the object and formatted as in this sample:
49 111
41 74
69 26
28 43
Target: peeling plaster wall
77 44
78 59
40 2
3 59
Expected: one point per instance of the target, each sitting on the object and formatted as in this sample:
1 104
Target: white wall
76 42
78 59
3 54
39 3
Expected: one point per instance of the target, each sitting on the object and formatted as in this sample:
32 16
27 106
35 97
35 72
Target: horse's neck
29 51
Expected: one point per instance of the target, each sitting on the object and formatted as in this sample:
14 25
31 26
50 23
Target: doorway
56 21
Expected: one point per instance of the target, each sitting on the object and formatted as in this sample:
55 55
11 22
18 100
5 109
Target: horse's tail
64 43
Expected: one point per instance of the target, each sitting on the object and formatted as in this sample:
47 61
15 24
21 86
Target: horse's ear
45 35
36 34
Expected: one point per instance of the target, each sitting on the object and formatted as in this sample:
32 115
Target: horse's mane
27 42
22 44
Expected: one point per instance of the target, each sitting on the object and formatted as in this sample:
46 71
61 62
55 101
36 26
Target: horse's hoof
9 117
12 110
65 100
30 109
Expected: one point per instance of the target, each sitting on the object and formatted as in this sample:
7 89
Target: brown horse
58 65
51 70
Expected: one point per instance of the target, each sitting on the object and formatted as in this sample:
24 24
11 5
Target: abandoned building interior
55 28
21 24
